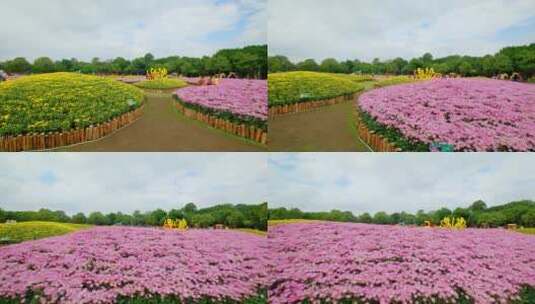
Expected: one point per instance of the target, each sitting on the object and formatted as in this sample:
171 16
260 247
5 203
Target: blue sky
385 29
397 182
126 182
310 181
108 29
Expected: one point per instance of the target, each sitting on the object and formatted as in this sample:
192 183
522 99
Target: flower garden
300 91
136 265
61 103
361 263
465 114
238 106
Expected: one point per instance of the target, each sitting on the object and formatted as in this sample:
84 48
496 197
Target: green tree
279 64
381 218
156 217
407 218
503 64
235 219
97 218
119 65
528 218
148 58
440 214
18 65
175 214
203 220
466 69
466 214
427 59
412 66
308 65
421 217
138 219
478 206
43 65
331 65
365 218
3 215
221 64
79 218
492 219
189 208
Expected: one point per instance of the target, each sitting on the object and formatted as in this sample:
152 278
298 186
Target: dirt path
326 129
163 129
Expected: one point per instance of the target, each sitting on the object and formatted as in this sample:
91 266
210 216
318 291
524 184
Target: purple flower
239 96
100 264
333 261
473 114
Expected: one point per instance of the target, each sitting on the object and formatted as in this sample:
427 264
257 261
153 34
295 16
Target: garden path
325 129
163 129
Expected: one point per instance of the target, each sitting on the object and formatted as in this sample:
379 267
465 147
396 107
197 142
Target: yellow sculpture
181 224
453 223
425 74
157 74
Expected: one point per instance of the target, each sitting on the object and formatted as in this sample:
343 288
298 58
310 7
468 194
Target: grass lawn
25 231
290 221
526 230
253 231
161 84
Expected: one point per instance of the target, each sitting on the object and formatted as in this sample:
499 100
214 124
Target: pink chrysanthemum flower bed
385 264
99 265
472 114
244 98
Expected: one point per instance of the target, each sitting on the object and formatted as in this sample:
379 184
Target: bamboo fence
250 132
372 139
309 105
52 140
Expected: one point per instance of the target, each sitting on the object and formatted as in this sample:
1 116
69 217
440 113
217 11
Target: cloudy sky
398 182
310 181
128 28
366 29
126 182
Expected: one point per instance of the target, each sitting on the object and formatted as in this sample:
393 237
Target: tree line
478 214
233 216
247 62
519 59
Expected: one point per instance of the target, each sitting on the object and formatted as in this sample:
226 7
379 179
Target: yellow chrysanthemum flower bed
63 101
296 87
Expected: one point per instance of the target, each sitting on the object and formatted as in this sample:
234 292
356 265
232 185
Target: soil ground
325 129
163 129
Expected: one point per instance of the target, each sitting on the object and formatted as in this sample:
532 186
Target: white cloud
311 181
129 181
108 29
366 29
397 182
